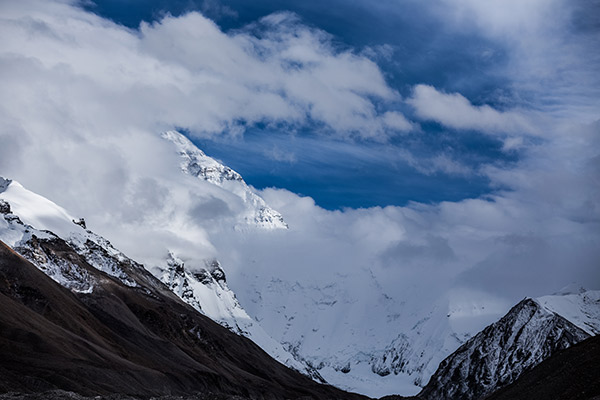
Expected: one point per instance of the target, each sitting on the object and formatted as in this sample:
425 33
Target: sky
444 147
408 51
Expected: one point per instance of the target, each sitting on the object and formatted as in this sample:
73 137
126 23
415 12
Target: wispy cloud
455 111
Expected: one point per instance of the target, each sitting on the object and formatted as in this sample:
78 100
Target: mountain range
168 307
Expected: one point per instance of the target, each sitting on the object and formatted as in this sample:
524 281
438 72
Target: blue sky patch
431 164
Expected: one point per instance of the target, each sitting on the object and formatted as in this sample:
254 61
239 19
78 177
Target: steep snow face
206 290
196 163
37 211
495 357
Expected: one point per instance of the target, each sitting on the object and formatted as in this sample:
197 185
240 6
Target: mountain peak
528 334
196 163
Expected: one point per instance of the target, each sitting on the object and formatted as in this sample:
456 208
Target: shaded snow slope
205 288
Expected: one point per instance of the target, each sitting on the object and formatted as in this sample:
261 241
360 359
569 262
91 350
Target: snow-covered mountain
30 222
117 340
528 334
204 287
196 163
315 307
341 327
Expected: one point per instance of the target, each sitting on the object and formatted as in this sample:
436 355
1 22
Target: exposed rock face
395 359
571 374
498 355
4 183
4 207
203 286
50 256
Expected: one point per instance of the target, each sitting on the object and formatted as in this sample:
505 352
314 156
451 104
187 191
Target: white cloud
512 143
507 18
396 121
278 154
550 56
84 101
455 111
185 71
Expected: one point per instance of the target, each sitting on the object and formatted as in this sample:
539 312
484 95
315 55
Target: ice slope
28 218
196 163
356 334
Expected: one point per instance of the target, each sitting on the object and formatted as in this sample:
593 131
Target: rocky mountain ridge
494 358
119 340
205 288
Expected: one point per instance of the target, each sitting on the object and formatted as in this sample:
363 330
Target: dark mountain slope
118 339
571 374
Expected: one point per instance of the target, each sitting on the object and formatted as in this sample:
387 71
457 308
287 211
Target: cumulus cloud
84 100
185 71
455 111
